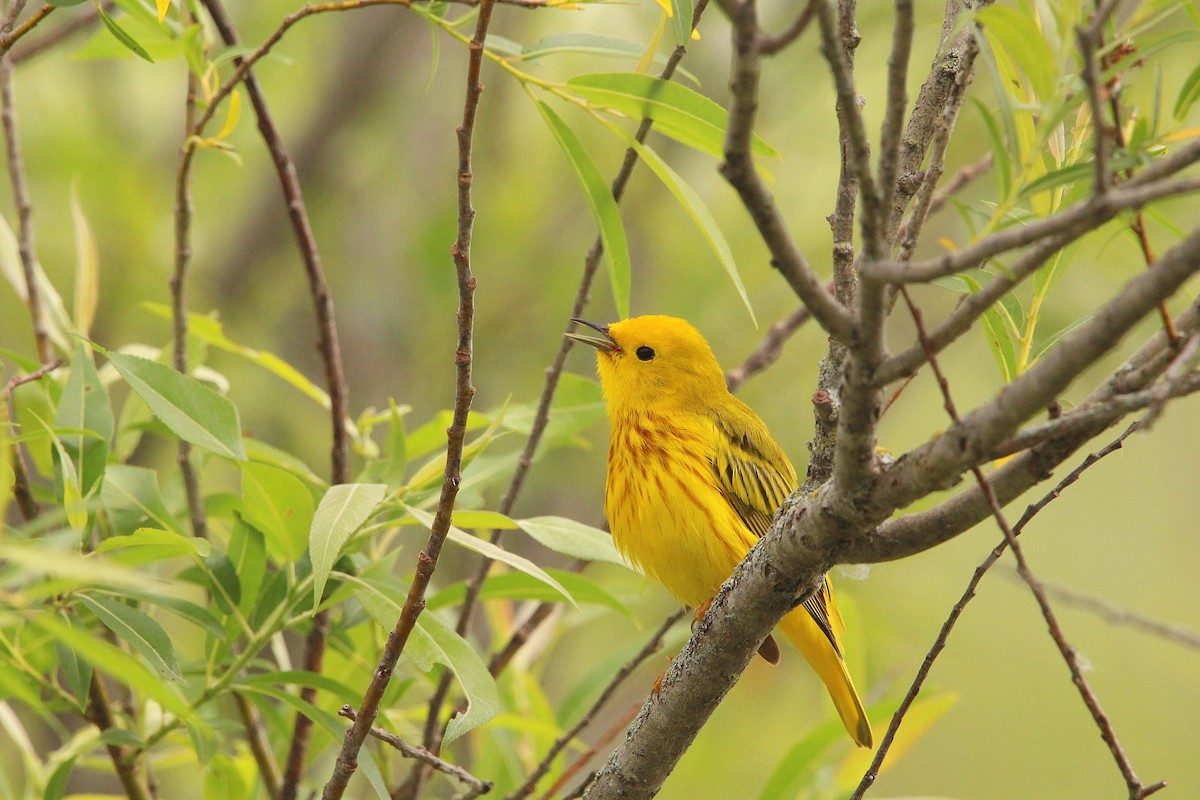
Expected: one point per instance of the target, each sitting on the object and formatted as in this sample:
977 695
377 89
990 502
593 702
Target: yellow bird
694 479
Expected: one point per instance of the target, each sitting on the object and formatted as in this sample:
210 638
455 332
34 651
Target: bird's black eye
645 353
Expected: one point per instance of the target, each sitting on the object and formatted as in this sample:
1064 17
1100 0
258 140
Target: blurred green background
368 104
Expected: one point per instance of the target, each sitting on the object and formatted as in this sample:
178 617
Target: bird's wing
752 470
756 477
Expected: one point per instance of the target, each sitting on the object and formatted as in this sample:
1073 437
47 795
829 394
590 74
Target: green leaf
1025 44
999 341
489 550
222 779
84 407
476 520
1189 93
572 538
483 699
120 665
343 509
681 16
679 112
120 34
209 330
146 545
198 616
392 464
1001 160
248 557
194 412
592 44
77 671
577 405
139 631
68 567
694 205
281 506
300 677
519 586
602 205
130 496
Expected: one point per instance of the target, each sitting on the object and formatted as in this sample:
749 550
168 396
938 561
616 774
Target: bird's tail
816 642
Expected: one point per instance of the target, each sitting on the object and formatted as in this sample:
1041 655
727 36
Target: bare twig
179 308
1078 219
26 247
80 22
738 169
10 36
652 646
433 733
1088 41
464 393
100 714
260 746
422 755
1136 789
769 350
770 45
22 490
1109 612
327 344
602 741
968 594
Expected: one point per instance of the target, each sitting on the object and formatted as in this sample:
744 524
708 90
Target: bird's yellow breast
668 514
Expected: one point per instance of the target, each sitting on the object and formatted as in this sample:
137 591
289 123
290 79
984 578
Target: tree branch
464 393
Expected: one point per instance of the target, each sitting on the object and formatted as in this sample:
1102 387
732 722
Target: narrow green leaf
304 678
87 267
120 34
519 586
139 631
248 557
679 112
999 341
130 496
694 205
69 567
1001 159
572 538
483 699
281 506
602 205
194 412
209 330
1189 93
84 407
1018 34
681 16
343 509
489 550
198 616
119 664
475 520
146 545
78 671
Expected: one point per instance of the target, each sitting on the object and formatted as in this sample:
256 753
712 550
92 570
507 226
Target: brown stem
464 393
1136 789
11 36
101 715
260 746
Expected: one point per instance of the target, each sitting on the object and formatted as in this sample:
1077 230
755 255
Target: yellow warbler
694 479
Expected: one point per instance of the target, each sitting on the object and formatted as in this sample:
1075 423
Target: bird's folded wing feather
756 477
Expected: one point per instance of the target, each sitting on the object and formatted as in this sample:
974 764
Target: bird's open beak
604 343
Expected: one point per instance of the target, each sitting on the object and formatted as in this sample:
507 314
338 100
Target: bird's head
654 362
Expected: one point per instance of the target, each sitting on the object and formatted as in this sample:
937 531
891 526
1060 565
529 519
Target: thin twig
738 168
22 491
11 36
99 711
540 421
422 755
179 308
1088 44
957 183
26 247
653 645
327 344
768 350
81 22
579 763
1109 612
893 122
770 45
1136 789
260 746
968 594
456 434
